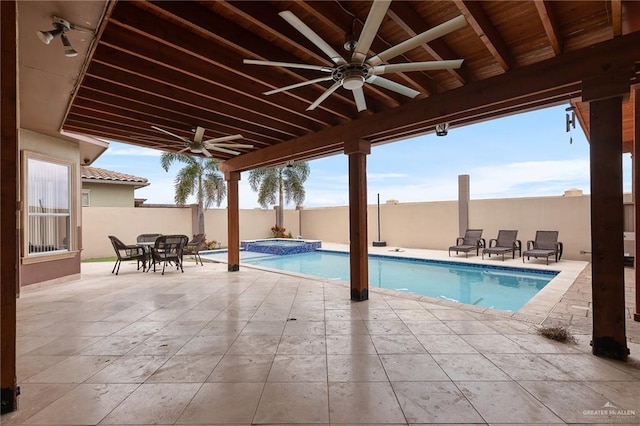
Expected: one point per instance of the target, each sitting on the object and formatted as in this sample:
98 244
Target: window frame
71 249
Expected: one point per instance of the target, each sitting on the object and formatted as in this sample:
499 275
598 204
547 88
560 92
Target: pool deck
255 347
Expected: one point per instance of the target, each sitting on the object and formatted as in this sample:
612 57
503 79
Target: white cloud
133 151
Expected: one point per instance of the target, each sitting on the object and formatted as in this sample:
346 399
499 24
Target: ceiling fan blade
184 150
228 151
418 66
199 134
370 29
205 152
288 65
314 38
361 102
171 134
224 139
301 84
232 145
420 39
393 86
324 96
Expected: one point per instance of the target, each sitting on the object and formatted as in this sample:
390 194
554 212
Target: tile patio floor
255 347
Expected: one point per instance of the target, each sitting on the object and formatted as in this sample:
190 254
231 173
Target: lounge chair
168 249
127 252
194 246
506 242
472 240
546 244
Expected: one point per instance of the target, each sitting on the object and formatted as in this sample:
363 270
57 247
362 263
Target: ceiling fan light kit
353 74
61 26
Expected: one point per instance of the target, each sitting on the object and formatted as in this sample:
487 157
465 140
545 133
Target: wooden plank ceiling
178 65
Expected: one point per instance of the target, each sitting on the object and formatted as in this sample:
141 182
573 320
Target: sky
522 155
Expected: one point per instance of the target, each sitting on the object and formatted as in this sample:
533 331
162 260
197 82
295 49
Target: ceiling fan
198 146
352 74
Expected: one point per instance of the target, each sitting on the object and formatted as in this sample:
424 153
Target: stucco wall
429 225
571 216
109 195
45 268
127 223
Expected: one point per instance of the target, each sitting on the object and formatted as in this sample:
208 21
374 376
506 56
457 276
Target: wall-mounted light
289 163
60 26
442 129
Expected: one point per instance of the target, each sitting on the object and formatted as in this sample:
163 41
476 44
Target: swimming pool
497 287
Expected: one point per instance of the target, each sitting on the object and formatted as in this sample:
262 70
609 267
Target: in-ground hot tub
280 246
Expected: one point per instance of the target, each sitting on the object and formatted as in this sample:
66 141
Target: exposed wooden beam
130 99
560 71
209 51
483 27
176 94
616 17
406 18
549 24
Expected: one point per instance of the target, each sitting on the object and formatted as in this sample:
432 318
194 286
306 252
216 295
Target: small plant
278 232
559 334
211 244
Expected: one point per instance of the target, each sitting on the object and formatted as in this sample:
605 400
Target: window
86 198
48 210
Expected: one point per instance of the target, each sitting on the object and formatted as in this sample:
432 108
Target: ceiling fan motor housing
351 76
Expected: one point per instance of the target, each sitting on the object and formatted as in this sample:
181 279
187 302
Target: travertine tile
225 403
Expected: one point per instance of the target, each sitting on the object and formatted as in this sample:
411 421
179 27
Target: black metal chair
128 252
194 246
168 249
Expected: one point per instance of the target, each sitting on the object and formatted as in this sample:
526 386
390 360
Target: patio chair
147 241
128 252
472 240
194 246
505 242
168 249
546 244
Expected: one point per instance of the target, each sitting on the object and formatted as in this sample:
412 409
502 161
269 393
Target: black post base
359 295
9 398
608 347
379 243
233 268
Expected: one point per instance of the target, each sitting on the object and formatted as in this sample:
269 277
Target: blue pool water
503 288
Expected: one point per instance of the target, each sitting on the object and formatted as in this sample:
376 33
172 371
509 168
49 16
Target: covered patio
144 66
256 347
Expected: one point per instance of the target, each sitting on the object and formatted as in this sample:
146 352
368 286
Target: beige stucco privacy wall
127 223
429 225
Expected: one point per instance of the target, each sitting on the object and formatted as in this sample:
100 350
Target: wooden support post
233 221
9 274
357 150
605 104
636 199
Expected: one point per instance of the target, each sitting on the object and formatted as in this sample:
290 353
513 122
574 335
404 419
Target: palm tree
287 182
200 177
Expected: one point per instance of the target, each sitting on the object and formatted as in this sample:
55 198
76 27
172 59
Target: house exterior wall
428 225
109 194
36 269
